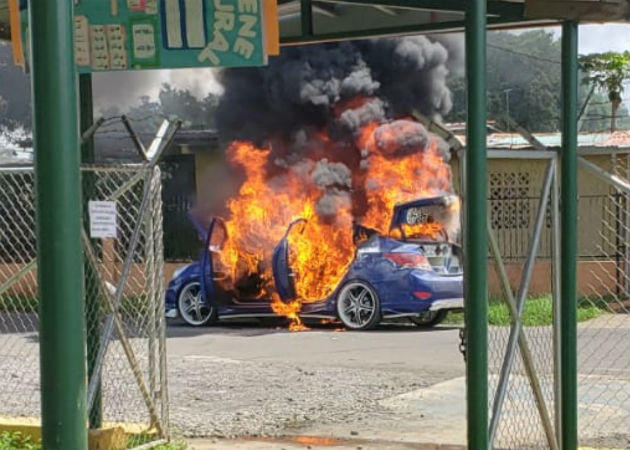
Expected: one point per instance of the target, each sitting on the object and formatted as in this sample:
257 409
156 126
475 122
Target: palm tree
607 72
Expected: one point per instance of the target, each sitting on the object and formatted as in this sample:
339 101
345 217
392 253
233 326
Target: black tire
429 319
358 306
193 314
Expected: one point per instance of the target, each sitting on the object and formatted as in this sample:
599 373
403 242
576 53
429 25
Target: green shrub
538 311
17 441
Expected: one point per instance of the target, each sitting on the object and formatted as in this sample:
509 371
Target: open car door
215 238
422 211
282 273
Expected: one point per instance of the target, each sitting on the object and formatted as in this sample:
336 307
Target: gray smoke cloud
400 137
300 87
328 174
352 119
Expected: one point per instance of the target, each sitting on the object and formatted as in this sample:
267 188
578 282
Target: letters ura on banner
157 34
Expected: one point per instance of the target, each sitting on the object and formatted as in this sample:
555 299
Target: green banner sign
158 34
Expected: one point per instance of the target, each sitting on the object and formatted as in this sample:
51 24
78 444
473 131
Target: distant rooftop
514 141
120 147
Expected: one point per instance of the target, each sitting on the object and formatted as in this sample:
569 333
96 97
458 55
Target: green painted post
306 14
568 204
476 261
92 305
58 202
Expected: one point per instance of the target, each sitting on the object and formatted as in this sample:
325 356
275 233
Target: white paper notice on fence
103 219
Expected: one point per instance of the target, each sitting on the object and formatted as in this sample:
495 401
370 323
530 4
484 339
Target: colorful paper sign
159 34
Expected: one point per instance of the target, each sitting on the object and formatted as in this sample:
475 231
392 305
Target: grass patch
17 441
141 439
538 312
172 446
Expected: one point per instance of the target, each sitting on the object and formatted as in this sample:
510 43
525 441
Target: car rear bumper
447 303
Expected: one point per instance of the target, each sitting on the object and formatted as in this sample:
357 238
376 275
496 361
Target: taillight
412 260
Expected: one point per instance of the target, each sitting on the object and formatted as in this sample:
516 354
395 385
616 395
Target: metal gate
523 360
604 342
123 299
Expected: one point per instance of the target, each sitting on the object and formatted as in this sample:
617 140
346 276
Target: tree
607 72
172 102
184 105
527 65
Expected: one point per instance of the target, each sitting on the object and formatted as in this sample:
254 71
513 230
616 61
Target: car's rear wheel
358 306
192 308
429 319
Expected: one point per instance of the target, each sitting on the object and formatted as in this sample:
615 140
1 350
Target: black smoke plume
304 85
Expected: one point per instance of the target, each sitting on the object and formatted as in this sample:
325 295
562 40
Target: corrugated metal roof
618 139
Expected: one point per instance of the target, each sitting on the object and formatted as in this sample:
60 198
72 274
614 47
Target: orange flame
273 196
392 180
434 230
290 310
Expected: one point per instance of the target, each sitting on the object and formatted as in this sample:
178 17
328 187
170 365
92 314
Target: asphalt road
244 379
394 384
433 352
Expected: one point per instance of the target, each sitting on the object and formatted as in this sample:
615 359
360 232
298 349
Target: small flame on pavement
290 310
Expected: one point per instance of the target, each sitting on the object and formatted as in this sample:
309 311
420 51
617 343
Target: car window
218 237
430 222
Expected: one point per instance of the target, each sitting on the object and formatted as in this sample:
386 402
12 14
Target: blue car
411 275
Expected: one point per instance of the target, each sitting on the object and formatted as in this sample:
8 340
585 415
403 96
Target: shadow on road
260 327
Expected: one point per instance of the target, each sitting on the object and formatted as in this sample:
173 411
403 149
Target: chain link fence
527 412
123 292
521 363
604 341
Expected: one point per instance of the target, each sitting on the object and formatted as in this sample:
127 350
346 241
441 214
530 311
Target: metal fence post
475 273
92 304
56 140
569 236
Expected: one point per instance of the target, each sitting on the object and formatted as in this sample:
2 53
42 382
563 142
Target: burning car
413 271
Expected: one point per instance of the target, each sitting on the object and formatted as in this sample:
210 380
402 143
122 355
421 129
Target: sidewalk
308 442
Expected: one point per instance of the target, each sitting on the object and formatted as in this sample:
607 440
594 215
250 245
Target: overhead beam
579 11
402 30
495 7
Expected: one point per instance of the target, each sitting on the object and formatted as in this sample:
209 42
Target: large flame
389 163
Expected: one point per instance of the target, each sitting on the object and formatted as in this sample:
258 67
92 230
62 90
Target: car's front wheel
429 319
358 306
192 308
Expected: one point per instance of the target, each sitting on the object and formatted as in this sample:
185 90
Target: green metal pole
58 202
306 15
475 272
568 276
92 305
